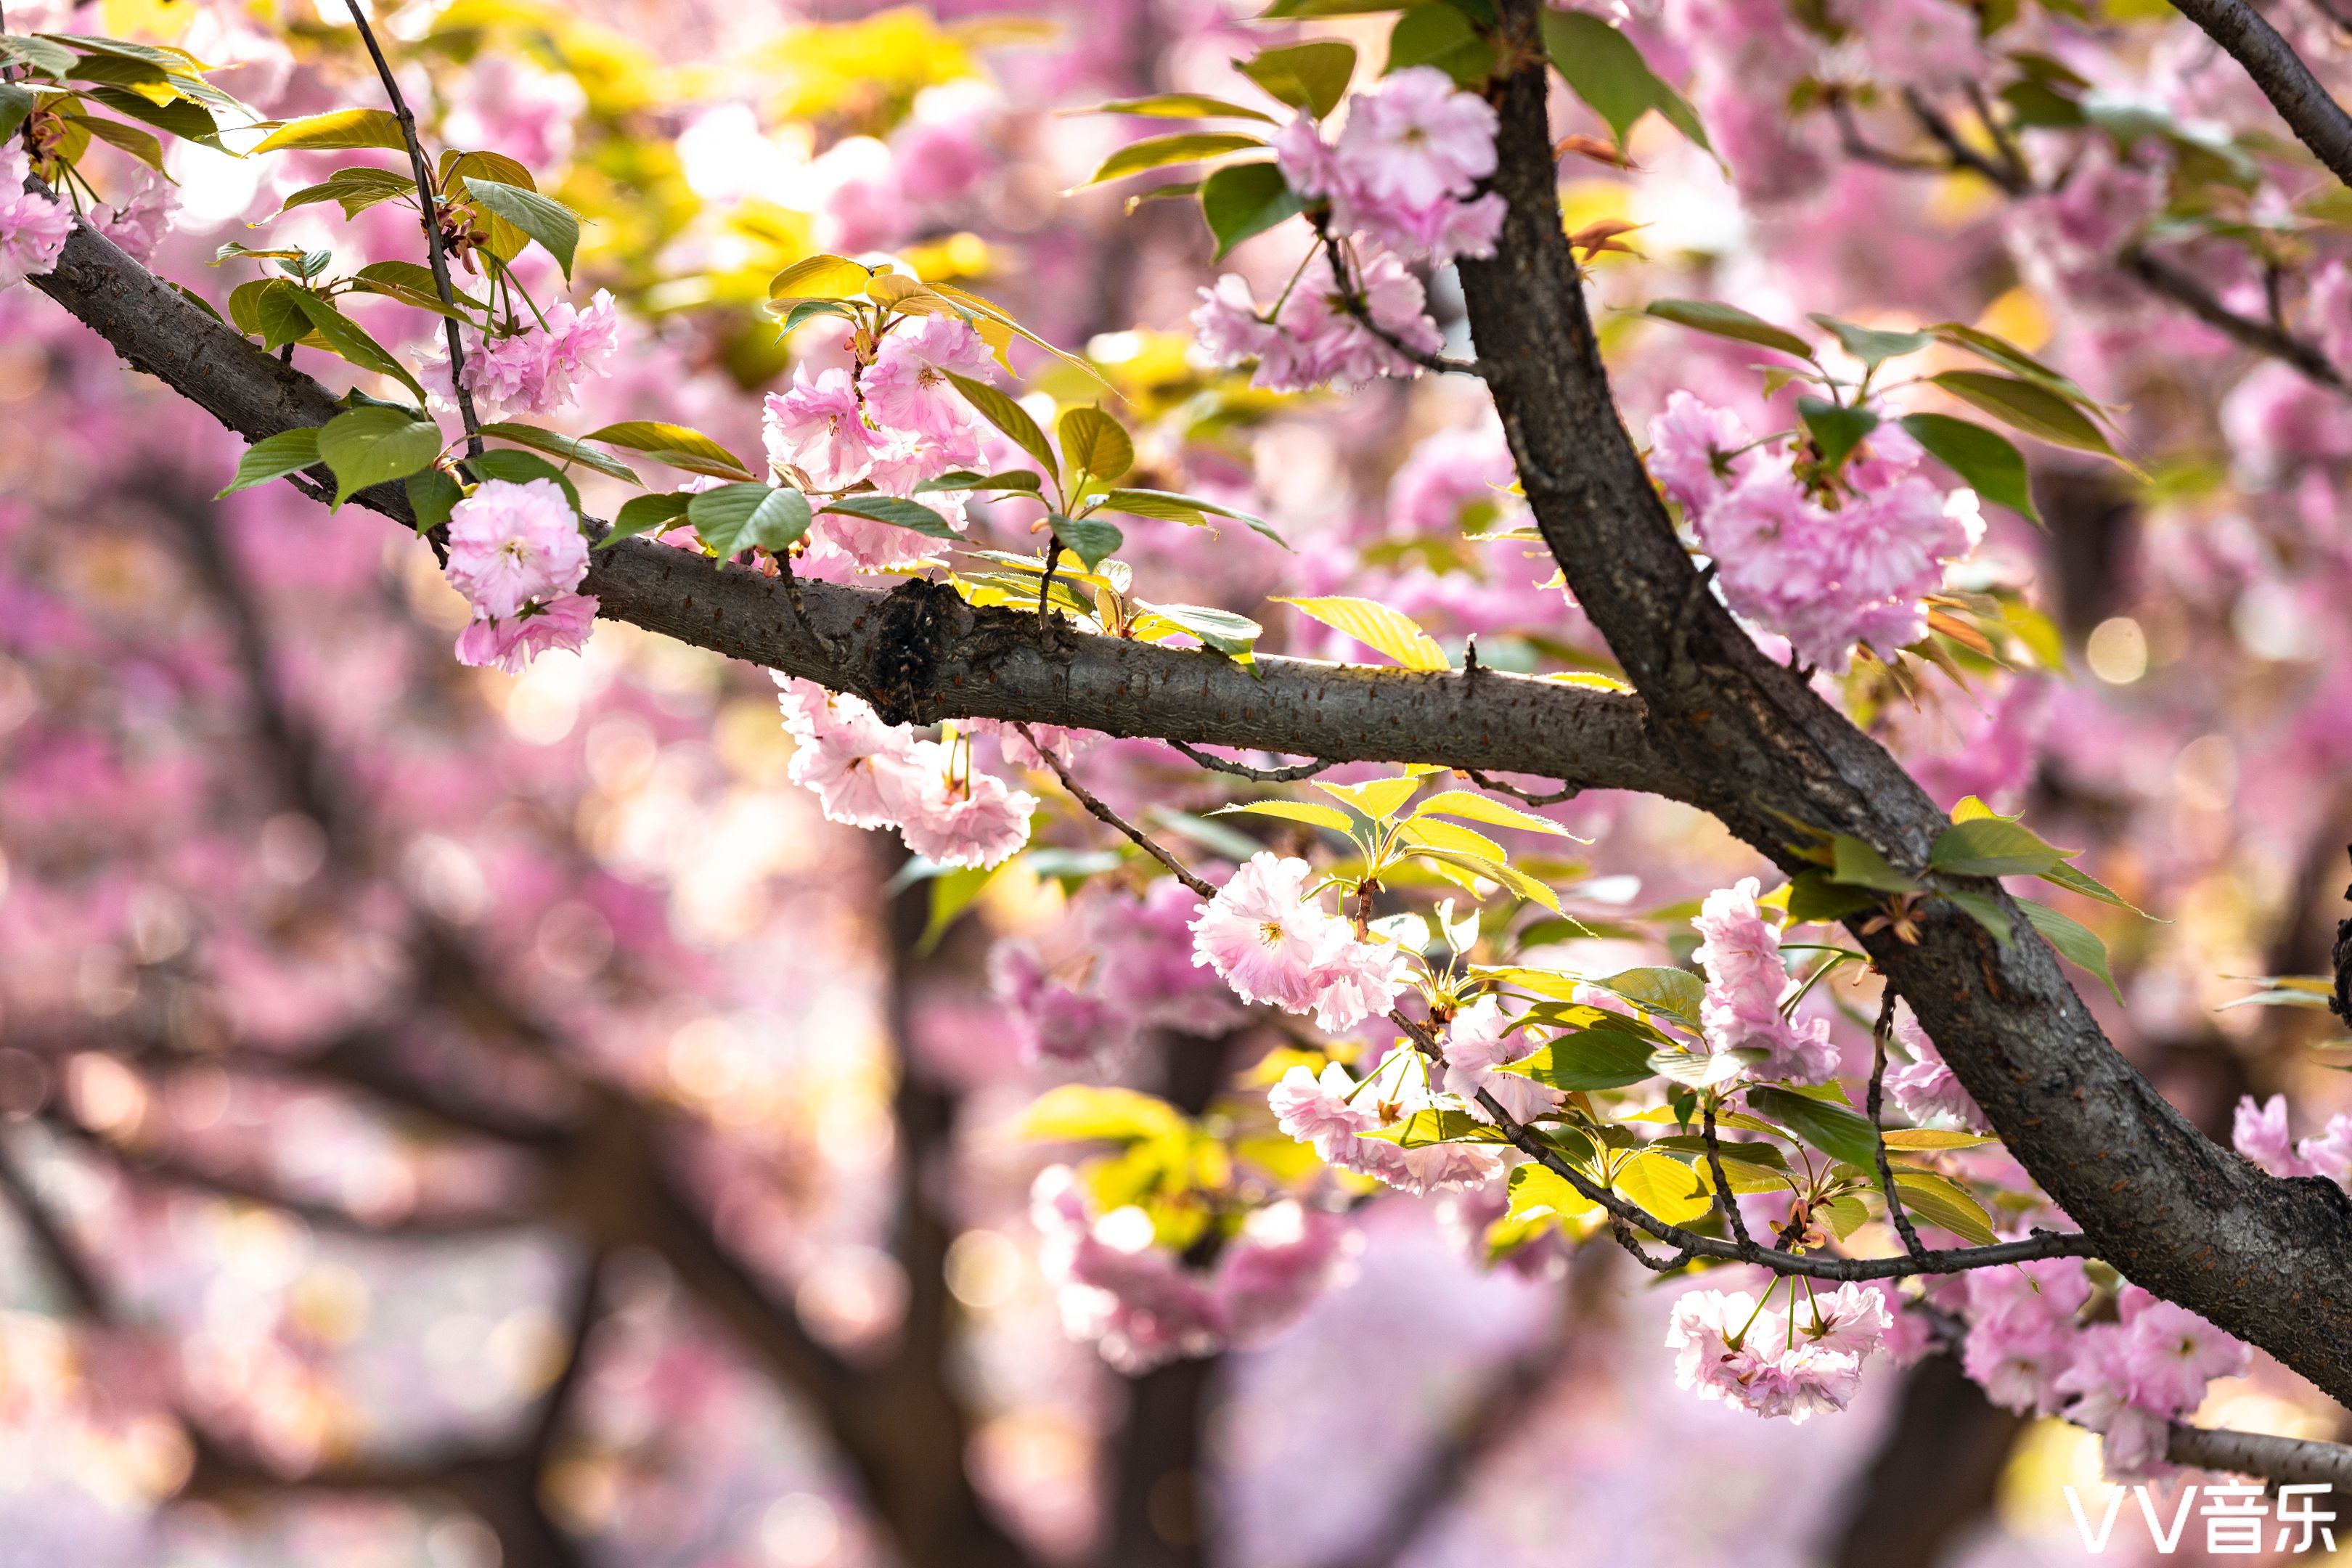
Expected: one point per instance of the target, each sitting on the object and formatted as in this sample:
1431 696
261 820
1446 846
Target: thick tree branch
921 653
2270 1260
2316 119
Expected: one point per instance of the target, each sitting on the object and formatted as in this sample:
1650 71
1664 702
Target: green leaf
553 224
1158 151
15 104
1870 345
1311 76
407 279
1945 1202
433 495
1379 799
953 891
1177 105
1983 909
1664 1186
2029 406
1606 70
38 54
1245 199
824 277
188 121
1832 1129
1858 865
2075 942
1588 1059
1170 507
558 445
1091 539
345 336
896 512
1094 442
1986 460
676 445
274 457
1729 322
1836 430
355 190
1438 1126
1676 992
965 479
646 514
1441 36
371 445
1233 636
1993 846
138 143
338 128
1540 1192
2075 879
1376 625
1813 897
737 516
1480 808
1291 811
1000 410
521 468
1078 1113
2010 357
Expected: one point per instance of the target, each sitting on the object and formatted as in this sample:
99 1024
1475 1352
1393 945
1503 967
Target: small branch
1353 299
2264 337
1261 775
1553 797
73 1271
1627 1216
1932 120
1859 149
2316 119
1725 1198
426 199
1142 840
1874 1101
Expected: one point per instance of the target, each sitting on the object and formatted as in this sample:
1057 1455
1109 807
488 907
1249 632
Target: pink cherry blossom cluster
517 553
1826 567
1797 1364
1745 980
1335 1114
33 229
868 773
2260 1134
895 425
1137 976
1273 942
1477 1044
1310 337
537 370
2128 1379
139 218
1403 170
1141 1305
1924 1087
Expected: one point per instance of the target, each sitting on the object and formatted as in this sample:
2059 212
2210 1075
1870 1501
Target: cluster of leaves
63 77
1246 195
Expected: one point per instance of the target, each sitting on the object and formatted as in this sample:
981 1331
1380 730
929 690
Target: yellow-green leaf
1158 151
1375 625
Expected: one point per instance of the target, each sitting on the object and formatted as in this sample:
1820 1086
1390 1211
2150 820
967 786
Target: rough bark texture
919 652
2270 1260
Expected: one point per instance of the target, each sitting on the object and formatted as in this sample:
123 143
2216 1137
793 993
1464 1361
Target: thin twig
1873 1101
1859 148
1142 840
1954 1260
1724 1196
1567 791
1932 120
426 199
2262 337
2010 154
1262 775
1352 298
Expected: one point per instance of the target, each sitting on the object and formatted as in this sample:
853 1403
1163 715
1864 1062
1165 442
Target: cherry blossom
512 542
819 428
34 228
